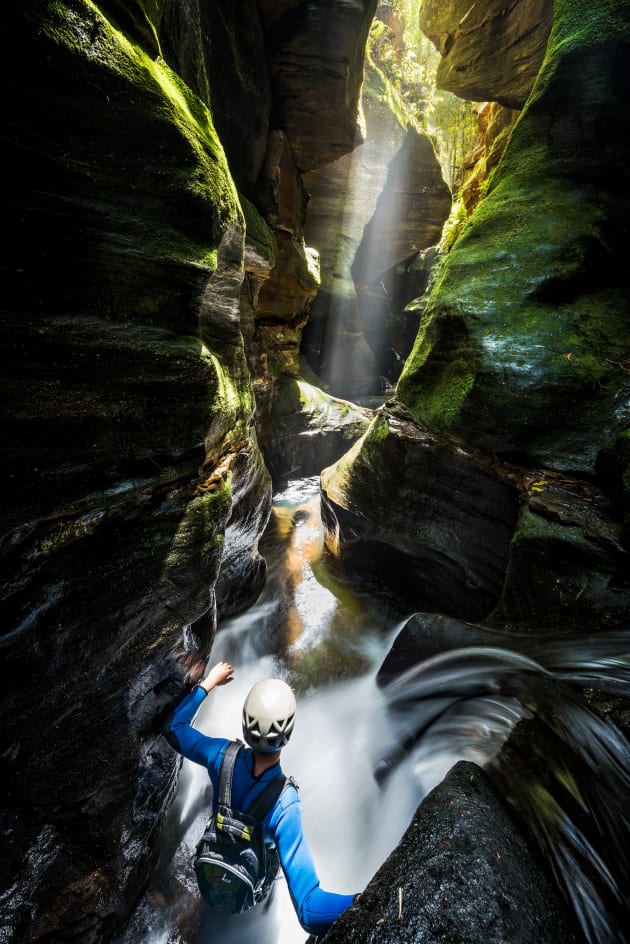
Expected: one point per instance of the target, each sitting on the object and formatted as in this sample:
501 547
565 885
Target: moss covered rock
416 510
524 338
137 490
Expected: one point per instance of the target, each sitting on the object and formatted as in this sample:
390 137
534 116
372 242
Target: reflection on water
364 757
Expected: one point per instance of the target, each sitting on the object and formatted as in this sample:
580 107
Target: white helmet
268 715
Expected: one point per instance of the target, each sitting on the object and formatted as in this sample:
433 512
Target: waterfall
364 756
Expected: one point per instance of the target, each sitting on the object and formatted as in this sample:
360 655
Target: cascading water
365 756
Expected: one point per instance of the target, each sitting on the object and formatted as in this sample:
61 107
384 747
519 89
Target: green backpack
234 867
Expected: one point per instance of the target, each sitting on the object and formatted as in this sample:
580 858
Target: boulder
432 519
463 871
309 430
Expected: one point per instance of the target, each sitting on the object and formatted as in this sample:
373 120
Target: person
268 720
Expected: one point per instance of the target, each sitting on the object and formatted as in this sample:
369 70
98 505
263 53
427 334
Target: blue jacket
316 909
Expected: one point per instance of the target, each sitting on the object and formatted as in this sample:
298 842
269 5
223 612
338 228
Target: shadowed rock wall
136 484
144 183
461 872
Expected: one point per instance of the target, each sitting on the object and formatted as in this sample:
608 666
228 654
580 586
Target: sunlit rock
343 194
398 208
491 51
309 429
342 199
409 214
461 872
495 123
524 341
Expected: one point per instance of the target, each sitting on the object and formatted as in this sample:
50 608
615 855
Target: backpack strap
267 798
226 772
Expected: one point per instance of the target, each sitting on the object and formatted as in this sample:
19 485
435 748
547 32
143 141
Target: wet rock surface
127 416
521 344
431 518
309 430
462 872
456 530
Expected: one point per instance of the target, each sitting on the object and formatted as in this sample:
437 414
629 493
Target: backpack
234 867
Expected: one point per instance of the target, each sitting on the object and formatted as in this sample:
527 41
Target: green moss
379 93
204 171
447 369
258 233
527 320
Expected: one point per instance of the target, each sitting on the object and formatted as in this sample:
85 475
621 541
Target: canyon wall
519 375
148 204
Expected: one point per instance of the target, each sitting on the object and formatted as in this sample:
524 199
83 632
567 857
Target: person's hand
219 674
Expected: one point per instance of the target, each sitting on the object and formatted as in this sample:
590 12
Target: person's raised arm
316 908
178 727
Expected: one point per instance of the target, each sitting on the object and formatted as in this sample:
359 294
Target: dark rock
429 517
315 54
206 42
462 872
456 531
427 634
309 430
126 419
567 569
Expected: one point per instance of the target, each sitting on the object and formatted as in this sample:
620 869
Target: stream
364 757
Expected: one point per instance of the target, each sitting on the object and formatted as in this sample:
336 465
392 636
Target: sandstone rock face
495 123
430 518
461 872
316 55
399 205
410 212
137 490
525 338
334 225
342 200
491 51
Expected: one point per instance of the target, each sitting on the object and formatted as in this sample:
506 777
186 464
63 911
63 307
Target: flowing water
364 756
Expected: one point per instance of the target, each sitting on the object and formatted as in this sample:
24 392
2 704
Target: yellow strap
246 832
